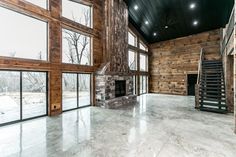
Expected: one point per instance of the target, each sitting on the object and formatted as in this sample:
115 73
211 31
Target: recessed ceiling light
154 34
166 27
192 6
195 23
135 7
146 22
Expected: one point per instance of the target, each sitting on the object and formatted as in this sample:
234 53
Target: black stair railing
197 86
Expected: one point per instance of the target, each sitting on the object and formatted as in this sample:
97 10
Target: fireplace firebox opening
120 88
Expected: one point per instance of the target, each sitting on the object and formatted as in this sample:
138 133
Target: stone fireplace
115 69
109 95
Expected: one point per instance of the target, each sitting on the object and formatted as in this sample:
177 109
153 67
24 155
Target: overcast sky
22 34
41 3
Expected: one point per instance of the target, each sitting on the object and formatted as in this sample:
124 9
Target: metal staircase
211 86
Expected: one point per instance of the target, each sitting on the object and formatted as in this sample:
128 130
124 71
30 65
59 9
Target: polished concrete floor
158 126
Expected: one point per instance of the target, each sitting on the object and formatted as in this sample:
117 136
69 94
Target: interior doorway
192 80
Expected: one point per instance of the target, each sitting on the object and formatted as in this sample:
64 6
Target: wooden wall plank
172 60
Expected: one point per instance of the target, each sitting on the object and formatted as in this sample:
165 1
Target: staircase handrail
200 66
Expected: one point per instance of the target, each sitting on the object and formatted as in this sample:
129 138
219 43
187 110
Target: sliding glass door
34 94
84 90
9 96
69 87
76 91
23 95
143 82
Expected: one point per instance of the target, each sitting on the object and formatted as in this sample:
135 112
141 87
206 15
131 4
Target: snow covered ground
34 104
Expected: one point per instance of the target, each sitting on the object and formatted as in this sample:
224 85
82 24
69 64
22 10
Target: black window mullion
47 93
77 90
21 100
90 88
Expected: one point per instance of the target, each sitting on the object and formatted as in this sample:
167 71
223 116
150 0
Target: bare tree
35 82
132 64
77 43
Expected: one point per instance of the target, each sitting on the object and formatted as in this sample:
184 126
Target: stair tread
211 88
204 63
213 81
205 72
212 92
212 99
210 96
223 111
208 84
212 104
212 74
212 61
212 65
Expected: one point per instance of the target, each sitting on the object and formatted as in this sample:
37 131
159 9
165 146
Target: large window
138 63
142 46
76 90
132 39
143 83
77 12
41 3
132 60
76 48
22 36
23 95
143 62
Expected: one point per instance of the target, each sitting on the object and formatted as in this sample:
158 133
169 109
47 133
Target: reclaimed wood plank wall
172 60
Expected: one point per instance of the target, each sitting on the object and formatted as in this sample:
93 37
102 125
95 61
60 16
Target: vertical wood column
234 73
234 77
234 86
55 74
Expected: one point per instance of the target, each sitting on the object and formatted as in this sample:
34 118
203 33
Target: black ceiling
178 16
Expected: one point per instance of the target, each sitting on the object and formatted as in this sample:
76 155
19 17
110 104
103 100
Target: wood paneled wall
54 66
172 60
